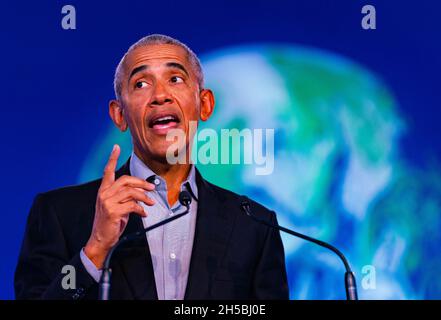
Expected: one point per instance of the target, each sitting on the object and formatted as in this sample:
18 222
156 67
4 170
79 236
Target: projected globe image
337 176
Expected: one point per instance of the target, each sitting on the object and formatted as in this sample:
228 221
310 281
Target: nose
160 95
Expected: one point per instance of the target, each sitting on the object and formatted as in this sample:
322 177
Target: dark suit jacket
233 256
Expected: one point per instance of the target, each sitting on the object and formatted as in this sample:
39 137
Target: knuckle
124 178
129 192
106 206
100 197
133 207
111 212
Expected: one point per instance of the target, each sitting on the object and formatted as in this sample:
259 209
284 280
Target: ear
116 113
207 104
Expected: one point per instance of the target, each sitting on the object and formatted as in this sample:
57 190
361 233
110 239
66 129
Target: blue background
56 83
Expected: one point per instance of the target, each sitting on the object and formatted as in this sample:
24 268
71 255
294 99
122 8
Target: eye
140 84
176 79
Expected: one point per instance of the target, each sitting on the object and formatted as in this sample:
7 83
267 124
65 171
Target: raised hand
115 201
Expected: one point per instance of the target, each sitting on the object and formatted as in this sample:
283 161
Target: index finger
109 170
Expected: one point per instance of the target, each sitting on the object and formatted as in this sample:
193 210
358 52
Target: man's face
160 92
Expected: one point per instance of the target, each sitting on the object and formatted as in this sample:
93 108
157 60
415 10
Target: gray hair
151 40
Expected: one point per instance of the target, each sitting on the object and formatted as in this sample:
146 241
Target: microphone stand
104 284
350 283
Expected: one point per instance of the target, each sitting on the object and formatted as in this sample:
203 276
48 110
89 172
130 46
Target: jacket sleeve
270 279
40 273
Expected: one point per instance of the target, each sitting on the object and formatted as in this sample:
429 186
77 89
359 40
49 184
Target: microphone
350 284
104 284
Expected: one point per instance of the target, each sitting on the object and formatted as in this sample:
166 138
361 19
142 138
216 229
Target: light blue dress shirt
171 244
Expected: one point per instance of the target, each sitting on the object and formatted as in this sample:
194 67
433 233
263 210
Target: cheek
138 99
191 107
135 118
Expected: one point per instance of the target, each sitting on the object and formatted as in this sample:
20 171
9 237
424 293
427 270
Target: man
213 252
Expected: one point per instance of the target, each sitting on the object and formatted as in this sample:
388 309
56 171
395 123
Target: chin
159 153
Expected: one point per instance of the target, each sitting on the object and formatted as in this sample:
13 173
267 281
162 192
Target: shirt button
156 181
172 256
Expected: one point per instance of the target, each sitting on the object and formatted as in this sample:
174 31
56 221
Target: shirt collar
139 169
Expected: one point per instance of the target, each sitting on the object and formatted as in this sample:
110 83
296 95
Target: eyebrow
174 65
136 70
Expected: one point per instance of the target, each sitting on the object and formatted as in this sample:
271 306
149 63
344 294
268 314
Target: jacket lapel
212 233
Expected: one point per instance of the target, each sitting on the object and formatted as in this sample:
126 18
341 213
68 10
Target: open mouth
164 121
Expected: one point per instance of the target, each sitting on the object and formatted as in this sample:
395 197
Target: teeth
165 118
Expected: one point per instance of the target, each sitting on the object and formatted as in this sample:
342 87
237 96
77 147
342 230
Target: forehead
156 54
